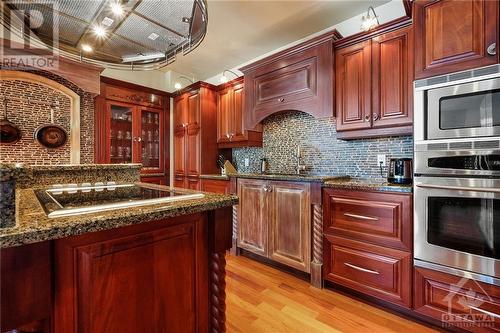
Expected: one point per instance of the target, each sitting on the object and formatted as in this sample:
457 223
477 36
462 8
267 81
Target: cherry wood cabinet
195 135
274 221
452 35
131 126
368 243
216 186
231 130
26 288
373 85
373 270
299 78
467 303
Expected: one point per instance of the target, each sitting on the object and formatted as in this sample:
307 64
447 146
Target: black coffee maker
400 171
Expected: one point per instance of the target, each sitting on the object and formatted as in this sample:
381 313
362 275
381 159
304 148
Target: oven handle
460 188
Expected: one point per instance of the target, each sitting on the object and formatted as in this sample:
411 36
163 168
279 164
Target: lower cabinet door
457 301
215 186
290 224
253 216
373 270
128 282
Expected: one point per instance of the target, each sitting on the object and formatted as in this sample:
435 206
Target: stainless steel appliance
459 105
77 199
457 174
400 171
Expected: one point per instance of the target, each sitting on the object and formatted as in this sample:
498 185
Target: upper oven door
465 110
457 223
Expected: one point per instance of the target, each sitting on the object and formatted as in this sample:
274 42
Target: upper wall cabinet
231 129
454 35
299 78
373 83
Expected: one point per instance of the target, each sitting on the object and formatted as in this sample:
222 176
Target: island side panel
141 278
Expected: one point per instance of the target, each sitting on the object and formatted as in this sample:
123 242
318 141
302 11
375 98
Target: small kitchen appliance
400 171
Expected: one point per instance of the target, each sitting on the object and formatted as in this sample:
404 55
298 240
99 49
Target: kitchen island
153 268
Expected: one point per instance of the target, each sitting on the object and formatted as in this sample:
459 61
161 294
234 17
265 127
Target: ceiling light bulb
177 86
86 48
99 31
223 79
117 8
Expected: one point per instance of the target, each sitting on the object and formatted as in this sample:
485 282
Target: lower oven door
457 223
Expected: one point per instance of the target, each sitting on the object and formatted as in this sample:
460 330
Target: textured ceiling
239 31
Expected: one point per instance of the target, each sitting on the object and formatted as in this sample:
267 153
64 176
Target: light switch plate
247 162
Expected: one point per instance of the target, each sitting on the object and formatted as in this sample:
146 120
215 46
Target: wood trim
375 133
408 7
194 86
8 75
134 86
229 84
366 35
317 246
85 76
331 35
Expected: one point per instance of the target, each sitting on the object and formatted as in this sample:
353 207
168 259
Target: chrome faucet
300 167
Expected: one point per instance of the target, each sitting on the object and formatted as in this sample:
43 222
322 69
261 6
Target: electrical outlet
381 160
247 162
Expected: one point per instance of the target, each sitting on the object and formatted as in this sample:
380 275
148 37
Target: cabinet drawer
373 270
379 218
472 305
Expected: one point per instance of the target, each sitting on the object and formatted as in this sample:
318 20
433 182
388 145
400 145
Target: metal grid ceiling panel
138 29
83 9
121 47
169 12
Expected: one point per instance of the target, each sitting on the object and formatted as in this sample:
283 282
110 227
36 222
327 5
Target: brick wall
29 115
323 153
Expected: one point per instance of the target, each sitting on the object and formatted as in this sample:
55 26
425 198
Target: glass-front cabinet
135 136
131 126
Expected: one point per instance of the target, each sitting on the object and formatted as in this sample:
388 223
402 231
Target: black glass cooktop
73 199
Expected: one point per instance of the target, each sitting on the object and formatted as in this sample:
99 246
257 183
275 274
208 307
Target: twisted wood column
234 250
317 234
317 247
218 292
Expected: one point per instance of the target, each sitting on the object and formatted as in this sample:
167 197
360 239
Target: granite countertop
214 176
363 184
289 177
33 225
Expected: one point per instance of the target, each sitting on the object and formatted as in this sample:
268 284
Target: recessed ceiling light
107 21
117 8
99 31
153 36
86 48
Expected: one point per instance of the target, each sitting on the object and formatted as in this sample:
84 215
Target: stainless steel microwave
459 105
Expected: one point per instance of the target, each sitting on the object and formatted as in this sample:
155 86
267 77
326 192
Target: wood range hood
299 78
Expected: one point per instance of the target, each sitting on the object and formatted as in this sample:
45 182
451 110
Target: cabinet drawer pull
361 217
281 99
367 118
492 49
494 315
375 117
361 269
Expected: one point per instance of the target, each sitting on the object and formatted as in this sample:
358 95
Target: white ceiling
241 30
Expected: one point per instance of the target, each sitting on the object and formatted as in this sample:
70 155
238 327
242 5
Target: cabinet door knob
228 136
367 118
492 49
184 125
281 99
375 117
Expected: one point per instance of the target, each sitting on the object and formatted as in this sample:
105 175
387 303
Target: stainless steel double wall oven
457 173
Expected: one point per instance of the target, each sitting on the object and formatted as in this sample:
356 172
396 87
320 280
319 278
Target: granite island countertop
33 225
365 184
289 177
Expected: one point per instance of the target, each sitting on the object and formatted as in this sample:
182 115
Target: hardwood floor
263 299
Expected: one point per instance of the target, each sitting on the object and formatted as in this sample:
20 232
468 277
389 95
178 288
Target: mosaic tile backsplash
322 152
